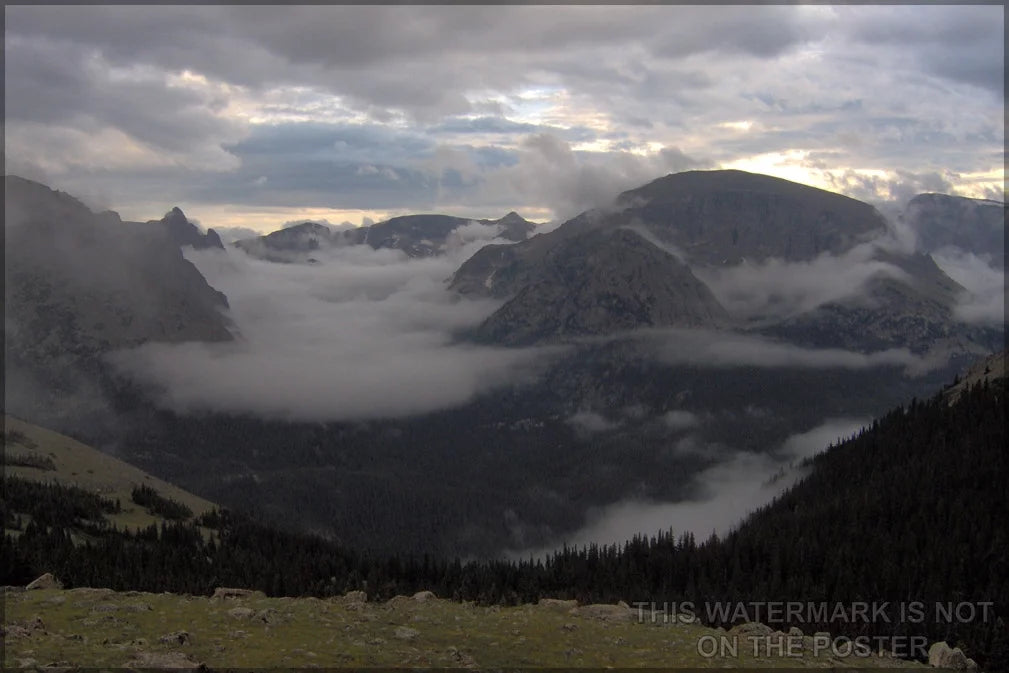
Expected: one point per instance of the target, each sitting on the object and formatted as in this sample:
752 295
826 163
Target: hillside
79 285
924 481
38 455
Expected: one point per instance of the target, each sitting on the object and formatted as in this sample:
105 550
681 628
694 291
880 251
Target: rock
605 612
176 638
795 631
941 656
8 589
569 627
14 631
241 613
137 607
268 616
177 660
46 581
405 633
35 624
938 653
225 592
105 607
399 600
751 630
424 596
461 658
557 604
355 597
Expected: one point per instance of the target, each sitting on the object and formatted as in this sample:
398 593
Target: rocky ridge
422 235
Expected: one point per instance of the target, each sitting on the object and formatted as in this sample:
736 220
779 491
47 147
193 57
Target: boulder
268 616
605 612
176 638
557 604
355 597
405 633
13 631
46 581
176 660
751 630
940 655
424 596
241 613
795 631
226 592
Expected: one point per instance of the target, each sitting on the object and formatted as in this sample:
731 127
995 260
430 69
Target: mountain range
613 271
416 235
666 356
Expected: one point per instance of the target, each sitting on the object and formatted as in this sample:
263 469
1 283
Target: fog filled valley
496 388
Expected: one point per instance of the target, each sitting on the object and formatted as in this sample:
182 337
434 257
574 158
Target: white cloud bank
362 334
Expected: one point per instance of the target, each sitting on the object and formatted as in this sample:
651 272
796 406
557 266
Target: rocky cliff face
78 285
973 225
183 232
603 282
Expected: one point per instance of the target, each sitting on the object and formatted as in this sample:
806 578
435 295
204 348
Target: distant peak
175 215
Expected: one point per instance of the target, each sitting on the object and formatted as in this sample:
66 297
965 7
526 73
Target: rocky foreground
238 628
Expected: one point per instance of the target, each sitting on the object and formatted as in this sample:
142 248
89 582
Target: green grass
80 465
97 627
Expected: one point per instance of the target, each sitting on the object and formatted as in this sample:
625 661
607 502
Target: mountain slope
603 282
720 217
78 285
709 217
39 455
711 221
972 225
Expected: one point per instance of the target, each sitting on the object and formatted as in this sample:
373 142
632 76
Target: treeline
912 509
159 505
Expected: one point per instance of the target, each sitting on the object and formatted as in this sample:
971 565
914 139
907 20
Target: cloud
680 420
985 296
363 334
149 103
551 174
707 348
589 423
776 288
232 234
733 486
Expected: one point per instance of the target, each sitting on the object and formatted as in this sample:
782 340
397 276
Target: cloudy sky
253 116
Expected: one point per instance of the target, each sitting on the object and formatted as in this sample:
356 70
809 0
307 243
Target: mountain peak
183 232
